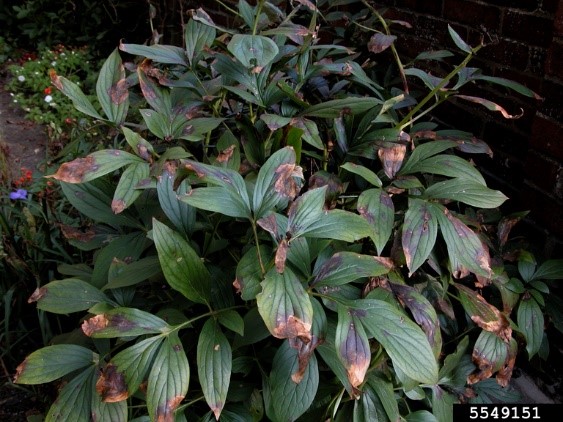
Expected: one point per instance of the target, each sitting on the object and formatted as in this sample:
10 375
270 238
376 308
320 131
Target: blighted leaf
168 380
95 165
485 315
141 146
67 296
491 106
214 362
182 267
380 42
253 50
352 347
111 385
392 159
52 362
126 191
274 121
74 402
377 208
123 322
403 340
310 130
111 89
344 267
289 399
419 233
491 354
530 321
285 306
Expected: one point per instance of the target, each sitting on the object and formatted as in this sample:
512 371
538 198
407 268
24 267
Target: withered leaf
75 170
119 92
305 350
281 255
392 159
111 385
72 233
285 184
55 79
380 42
94 324
118 205
291 328
165 413
226 154
39 293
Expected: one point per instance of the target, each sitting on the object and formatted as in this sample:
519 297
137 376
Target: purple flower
19 194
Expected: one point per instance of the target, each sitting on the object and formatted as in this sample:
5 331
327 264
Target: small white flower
53 63
37 73
53 104
12 94
48 99
21 78
63 54
15 101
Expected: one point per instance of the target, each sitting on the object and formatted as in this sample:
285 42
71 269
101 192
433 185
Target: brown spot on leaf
491 106
39 293
291 328
505 373
111 385
380 42
165 413
72 233
305 350
505 227
286 185
281 256
118 205
485 368
226 154
75 170
119 92
94 324
55 79
237 285
269 224
392 159
20 369
500 326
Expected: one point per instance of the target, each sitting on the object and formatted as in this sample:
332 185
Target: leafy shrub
266 235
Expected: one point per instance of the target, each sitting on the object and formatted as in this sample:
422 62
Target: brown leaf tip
39 293
111 385
19 370
94 324
75 170
165 413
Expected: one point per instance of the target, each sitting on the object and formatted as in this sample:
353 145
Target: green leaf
377 208
166 54
93 166
310 130
168 380
344 267
549 270
114 412
465 248
285 306
253 50
421 416
214 363
462 45
249 273
111 89
278 181
491 351
334 108
182 267
384 391
423 152
72 91
74 402
290 400
306 211
452 361
367 407
157 123
352 346
531 321
447 165
134 273
339 225
515 86
231 320
53 362
403 340
364 172
126 192
466 191
196 129
124 322
67 296
182 215
197 37
94 201
419 233
136 361
230 191
140 146
442 404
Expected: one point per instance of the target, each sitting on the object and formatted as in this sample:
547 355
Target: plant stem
257 17
260 261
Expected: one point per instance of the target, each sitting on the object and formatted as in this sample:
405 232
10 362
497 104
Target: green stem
260 261
233 11
407 119
257 17
205 315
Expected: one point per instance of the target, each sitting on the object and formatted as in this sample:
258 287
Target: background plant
264 160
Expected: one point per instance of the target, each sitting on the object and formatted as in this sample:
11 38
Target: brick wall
528 152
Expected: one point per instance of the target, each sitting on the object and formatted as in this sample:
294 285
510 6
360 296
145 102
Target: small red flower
47 90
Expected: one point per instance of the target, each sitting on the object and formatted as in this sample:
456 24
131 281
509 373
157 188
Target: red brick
433 7
431 29
541 171
501 136
558 22
550 6
547 137
536 64
554 62
553 93
535 30
545 210
473 14
520 4
507 53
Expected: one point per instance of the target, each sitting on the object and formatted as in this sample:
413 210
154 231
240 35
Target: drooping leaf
72 91
531 321
352 346
135 361
181 214
420 229
249 273
197 37
253 50
344 267
123 322
95 165
515 86
462 45
126 191
285 306
214 362
491 354
74 402
182 267
484 314
67 296
402 339
377 208
290 400
490 106
166 54
168 380
53 362
111 89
